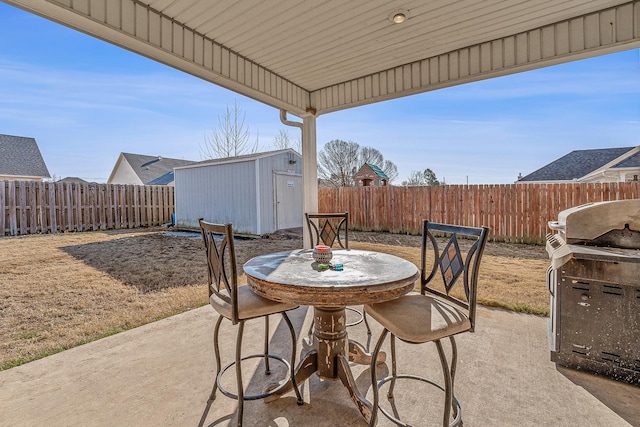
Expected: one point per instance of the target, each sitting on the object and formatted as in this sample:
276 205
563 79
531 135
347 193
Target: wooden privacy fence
30 207
515 213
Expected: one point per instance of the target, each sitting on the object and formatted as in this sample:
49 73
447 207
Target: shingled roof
21 157
578 164
632 161
379 172
150 168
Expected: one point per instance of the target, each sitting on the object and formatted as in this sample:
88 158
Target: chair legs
374 380
450 404
454 362
267 370
240 396
447 384
238 363
294 351
216 348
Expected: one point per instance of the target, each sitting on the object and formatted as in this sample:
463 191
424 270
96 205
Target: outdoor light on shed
399 16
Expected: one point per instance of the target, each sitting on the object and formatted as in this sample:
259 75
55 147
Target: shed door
288 200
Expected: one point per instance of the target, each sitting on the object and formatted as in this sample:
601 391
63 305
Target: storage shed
258 193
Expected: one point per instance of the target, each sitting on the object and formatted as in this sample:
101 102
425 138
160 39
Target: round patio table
367 277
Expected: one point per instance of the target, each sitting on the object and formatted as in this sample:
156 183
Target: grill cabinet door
599 316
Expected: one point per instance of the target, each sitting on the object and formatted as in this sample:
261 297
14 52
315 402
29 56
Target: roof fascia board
115 168
625 169
572 39
131 26
244 159
607 166
22 177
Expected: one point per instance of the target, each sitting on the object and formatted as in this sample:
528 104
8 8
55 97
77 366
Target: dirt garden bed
59 291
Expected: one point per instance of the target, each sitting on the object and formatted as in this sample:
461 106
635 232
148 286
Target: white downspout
309 168
258 200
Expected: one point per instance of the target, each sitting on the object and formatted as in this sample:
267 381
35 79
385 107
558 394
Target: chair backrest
221 263
451 263
329 229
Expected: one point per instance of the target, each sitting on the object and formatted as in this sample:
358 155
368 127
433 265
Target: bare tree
284 140
370 155
338 161
418 178
230 138
391 170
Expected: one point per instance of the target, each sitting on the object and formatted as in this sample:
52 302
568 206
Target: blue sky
85 101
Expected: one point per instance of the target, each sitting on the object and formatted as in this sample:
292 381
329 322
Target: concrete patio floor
161 374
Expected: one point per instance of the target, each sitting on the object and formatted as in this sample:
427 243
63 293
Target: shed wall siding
222 194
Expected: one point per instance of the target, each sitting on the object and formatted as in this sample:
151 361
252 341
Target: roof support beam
607 31
309 172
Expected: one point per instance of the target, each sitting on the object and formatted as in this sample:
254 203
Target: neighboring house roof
578 164
72 179
20 156
149 168
165 179
632 161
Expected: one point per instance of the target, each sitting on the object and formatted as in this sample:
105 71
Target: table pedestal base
329 355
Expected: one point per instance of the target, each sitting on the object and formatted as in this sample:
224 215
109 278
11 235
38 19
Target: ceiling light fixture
398 16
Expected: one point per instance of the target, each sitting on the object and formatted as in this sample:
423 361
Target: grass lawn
59 291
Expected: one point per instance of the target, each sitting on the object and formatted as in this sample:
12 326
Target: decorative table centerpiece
322 254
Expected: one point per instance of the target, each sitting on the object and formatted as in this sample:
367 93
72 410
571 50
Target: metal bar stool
433 314
239 304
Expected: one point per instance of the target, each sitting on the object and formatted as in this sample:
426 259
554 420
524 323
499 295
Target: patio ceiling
314 57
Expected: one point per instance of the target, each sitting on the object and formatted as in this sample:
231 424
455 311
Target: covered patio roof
314 57
321 56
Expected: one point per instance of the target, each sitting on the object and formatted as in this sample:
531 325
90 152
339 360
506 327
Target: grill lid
588 222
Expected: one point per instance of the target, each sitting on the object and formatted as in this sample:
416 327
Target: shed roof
20 156
577 164
243 158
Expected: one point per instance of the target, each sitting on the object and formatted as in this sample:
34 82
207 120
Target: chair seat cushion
417 318
250 305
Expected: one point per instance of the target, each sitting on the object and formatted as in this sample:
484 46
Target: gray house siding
238 191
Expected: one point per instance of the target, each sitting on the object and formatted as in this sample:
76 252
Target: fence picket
515 212
28 207
33 224
13 220
3 213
